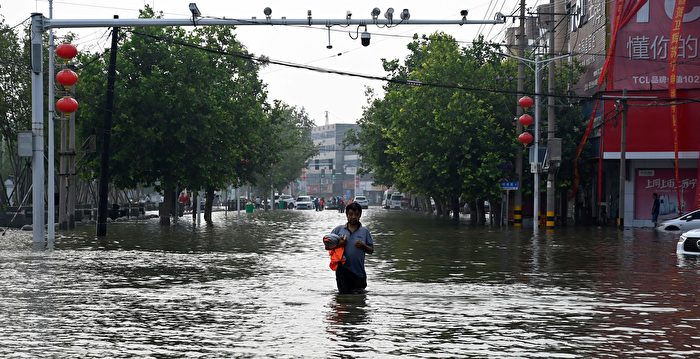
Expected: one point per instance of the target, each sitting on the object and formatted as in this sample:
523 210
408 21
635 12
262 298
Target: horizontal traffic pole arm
82 23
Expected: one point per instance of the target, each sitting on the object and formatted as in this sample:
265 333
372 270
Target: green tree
287 147
189 114
15 109
438 140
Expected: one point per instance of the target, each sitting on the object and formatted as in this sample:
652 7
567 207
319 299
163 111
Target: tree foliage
439 141
190 112
15 107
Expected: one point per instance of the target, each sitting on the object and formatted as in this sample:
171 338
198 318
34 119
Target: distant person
351 277
316 204
321 203
184 200
655 209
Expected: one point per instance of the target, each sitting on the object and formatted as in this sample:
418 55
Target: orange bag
337 256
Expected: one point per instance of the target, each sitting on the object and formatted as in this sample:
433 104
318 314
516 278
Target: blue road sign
509 185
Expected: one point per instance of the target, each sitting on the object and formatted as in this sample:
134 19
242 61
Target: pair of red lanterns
67 78
525 138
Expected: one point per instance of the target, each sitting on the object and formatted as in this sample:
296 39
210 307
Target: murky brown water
259 286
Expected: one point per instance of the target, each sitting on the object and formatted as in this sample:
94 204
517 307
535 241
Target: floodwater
258 285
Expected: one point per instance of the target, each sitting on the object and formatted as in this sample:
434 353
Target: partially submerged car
362 201
689 243
685 222
304 202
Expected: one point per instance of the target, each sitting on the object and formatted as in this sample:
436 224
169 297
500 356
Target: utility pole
551 131
623 164
51 187
107 133
536 148
37 133
522 45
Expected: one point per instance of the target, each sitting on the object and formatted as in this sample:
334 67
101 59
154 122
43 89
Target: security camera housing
389 14
464 12
365 37
267 11
195 10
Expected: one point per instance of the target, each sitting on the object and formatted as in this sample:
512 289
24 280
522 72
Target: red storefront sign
662 181
643 47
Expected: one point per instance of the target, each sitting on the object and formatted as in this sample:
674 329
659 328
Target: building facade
662 128
333 172
631 51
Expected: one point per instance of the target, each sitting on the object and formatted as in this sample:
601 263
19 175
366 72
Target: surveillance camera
348 14
405 15
195 10
389 14
464 13
500 17
375 13
267 11
365 36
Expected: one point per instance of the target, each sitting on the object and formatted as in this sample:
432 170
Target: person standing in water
351 276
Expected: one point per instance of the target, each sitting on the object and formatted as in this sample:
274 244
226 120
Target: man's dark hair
354 206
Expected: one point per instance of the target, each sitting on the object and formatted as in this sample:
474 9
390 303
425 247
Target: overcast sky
342 96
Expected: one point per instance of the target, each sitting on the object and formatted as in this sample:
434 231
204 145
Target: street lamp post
536 147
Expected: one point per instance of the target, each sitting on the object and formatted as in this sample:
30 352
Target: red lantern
526 102
526 120
66 51
67 105
66 77
525 138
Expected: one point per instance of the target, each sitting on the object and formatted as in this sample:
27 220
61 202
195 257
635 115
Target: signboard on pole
24 144
509 185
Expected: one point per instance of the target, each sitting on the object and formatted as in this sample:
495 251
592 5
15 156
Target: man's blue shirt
355 257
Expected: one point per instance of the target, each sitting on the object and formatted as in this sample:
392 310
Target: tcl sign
643 14
643 48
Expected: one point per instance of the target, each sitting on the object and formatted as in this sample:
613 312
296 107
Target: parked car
685 222
395 201
304 202
689 243
362 201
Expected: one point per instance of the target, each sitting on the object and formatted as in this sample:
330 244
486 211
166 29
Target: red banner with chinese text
676 25
643 46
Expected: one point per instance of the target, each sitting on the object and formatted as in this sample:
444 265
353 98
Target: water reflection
259 285
347 316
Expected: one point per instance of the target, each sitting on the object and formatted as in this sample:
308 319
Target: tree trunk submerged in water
167 206
455 208
208 204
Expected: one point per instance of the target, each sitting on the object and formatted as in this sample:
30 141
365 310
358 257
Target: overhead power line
266 60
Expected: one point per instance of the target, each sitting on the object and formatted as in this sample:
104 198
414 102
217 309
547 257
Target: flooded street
258 285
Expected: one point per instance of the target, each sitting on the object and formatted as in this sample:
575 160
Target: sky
342 97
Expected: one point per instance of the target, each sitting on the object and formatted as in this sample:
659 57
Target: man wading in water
356 239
